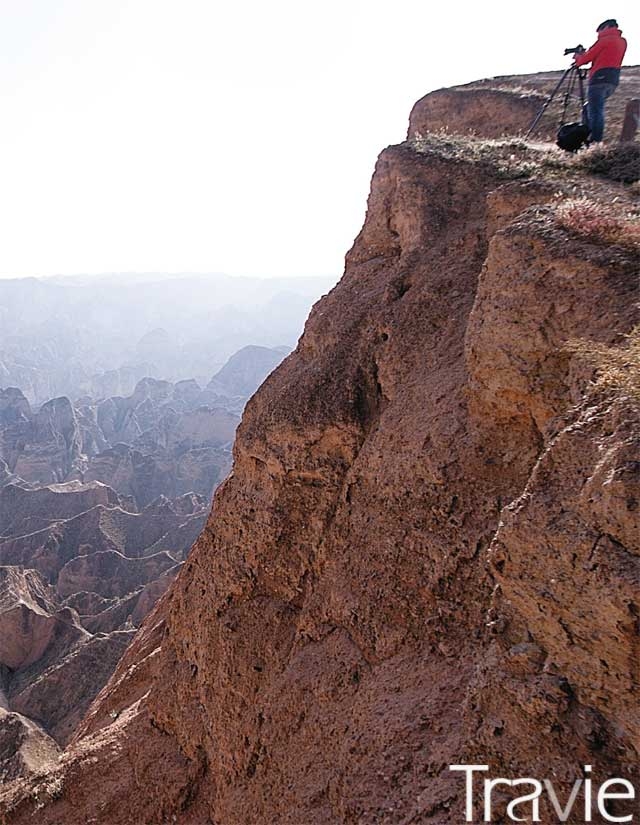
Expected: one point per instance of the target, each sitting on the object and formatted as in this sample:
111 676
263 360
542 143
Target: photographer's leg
608 91
598 94
595 110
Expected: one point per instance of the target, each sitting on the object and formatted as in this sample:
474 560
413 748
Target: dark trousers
597 95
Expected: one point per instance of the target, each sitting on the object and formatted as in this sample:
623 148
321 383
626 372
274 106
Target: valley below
101 499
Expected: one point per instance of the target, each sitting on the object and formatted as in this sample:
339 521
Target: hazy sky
174 135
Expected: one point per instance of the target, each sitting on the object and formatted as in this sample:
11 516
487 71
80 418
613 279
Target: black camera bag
572 136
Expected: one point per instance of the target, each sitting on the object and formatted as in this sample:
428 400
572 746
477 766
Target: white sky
208 135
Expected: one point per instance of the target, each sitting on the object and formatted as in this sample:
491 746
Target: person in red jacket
606 57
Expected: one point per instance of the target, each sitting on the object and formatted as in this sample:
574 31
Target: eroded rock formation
80 568
162 440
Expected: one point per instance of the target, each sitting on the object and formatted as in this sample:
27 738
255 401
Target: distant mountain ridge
163 439
245 371
100 335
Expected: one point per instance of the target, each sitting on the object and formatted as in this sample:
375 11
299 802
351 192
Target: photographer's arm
589 55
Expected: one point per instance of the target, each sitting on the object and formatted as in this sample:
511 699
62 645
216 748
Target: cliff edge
427 550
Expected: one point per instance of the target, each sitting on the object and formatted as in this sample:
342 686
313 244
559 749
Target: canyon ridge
427 550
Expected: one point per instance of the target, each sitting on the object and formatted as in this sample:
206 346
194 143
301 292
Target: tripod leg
548 102
585 109
571 86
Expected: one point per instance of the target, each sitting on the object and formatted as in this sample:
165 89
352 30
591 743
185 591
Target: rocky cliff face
426 553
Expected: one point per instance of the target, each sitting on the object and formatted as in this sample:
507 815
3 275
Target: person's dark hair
608 24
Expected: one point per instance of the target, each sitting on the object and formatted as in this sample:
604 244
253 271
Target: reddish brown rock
579 515
27 621
24 510
110 574
25 749
58 696
162 529
535 297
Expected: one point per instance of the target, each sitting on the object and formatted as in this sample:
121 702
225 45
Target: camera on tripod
570 136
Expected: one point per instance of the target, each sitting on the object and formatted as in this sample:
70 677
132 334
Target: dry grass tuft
510 157
619 162
610 223
617 368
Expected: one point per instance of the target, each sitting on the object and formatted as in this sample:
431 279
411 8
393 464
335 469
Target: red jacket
606 53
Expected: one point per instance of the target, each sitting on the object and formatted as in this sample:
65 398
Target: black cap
607 24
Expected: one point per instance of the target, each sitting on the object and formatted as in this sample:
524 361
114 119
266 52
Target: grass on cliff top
515 158
601 223
619 162
512 158
617 368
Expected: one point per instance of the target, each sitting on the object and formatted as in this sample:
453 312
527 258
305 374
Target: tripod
571 78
